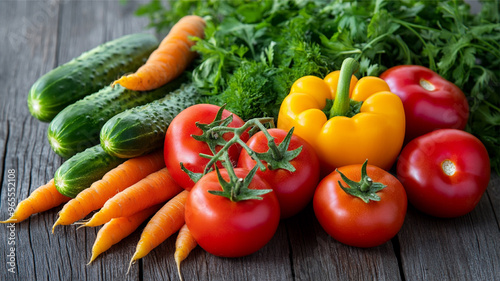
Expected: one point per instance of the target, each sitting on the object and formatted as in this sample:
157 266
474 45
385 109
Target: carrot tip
92 259
55 224
82 225
130 264
9 220
178 262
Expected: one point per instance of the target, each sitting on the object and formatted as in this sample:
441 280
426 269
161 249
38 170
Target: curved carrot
184 244
170 59
114 181
41 199
156 188
168 220
118 228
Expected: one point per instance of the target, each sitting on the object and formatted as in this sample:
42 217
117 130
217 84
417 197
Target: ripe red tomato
181 147
349 219
444 172
430 101
293 189
226 228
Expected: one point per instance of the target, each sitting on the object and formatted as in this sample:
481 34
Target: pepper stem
342 101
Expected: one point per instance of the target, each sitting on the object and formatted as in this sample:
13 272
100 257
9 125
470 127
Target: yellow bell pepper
366 120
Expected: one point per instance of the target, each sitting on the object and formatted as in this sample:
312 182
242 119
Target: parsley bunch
254 50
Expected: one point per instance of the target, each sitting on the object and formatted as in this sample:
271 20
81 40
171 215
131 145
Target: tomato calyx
278 156
210 137
236 189
213 138
365 189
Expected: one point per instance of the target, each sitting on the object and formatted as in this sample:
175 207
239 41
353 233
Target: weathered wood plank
464 248
269 263
33 50
317 256
493 192
29 49
29 32
120 19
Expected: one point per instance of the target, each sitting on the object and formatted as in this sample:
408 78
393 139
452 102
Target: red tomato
181 147
226 228
349 219
444 172
293 189
430 101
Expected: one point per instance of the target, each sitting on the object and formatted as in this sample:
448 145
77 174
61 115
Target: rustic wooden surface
36 36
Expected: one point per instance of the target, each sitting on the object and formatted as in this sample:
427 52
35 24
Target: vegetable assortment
81 170
114 181
87 74
77 127
198 150
253 51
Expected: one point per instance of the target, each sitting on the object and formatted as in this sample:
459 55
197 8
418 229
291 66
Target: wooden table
36 36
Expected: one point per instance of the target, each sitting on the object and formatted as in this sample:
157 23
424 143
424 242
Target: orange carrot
118 228
184 244
116 180
156 188
170 59
41 199
168 220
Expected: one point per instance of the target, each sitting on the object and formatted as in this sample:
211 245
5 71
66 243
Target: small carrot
118 228
156 188
41 199
184 244
170 59
168 220
114 181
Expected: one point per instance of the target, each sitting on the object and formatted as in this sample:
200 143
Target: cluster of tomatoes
442 171
226 227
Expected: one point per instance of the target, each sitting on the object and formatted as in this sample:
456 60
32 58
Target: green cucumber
83 169
77 126
88 73
142 129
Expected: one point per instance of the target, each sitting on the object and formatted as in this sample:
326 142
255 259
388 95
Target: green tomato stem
365 189
275 152
366 183
236 189
341 104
